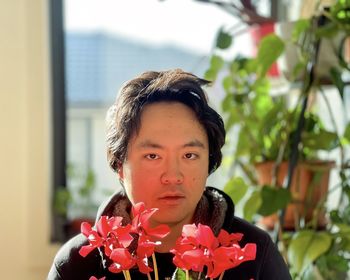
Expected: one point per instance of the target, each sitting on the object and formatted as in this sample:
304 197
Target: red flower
198 247
94 239
116 239
122 260
195 249
110 234
227 239
140 222
228 257
146 235
95 278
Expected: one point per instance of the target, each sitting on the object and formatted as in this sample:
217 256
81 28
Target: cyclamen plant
116 240
131 245
198 248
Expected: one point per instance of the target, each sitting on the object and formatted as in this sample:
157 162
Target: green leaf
344 228
298 69
322 140
243 144
216 63
232 119
299 27
236 188
61 200
179 274
262 104
270 48
327 31
335 217
347 132
332 266
338 263
227 84
305 247
262 87
88 185
252 205
210 75
227 103
337 80
223 40
273 199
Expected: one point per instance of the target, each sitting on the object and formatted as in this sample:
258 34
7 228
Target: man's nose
172 173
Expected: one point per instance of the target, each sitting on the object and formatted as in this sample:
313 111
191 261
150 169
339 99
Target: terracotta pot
307 190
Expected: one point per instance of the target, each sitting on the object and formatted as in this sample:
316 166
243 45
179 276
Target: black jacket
268 265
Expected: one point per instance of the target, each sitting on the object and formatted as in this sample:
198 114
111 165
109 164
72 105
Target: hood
215 209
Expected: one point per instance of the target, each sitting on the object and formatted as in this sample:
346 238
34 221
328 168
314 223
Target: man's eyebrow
151 144
194 143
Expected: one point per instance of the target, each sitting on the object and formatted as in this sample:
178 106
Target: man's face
166 166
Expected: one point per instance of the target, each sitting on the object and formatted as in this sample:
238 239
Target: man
163 140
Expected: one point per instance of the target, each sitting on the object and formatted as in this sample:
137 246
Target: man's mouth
171 198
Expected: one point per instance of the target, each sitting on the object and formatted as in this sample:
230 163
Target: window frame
58 106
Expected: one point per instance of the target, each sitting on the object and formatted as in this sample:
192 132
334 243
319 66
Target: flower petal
189 230
206 237
122 258
143 266
85 250
85 228
138 208
227 239
159 232
195 258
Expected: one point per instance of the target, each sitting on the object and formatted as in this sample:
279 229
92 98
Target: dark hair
123 117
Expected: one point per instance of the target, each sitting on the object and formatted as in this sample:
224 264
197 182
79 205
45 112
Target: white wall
26 252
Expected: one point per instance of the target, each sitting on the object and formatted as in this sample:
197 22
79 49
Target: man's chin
170 219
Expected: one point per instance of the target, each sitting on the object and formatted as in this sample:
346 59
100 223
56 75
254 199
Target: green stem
187 275
222 275
128 274
155 266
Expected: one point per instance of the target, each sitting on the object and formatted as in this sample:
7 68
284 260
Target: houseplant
265 123
271 128
77 201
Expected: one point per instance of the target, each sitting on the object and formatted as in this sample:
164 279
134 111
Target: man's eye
190 156
152 156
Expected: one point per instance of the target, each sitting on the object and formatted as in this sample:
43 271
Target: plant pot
309 186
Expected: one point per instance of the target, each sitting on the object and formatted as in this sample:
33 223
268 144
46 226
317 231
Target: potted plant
271 128
77 201
265 125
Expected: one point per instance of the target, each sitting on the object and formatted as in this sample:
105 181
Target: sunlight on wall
25 121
